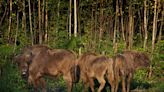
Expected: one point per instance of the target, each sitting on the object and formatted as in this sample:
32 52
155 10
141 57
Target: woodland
101 26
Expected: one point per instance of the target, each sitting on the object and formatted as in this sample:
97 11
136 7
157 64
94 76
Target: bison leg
102 82
116 83
111 81
123 84
68 81
43 84
91 83
86 85
128 82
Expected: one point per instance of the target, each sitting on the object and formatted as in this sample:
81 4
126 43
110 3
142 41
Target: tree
10 20
46 23
32 40
24 17
39 22
154 25
70 17
75 18
122 20
145 24
115 28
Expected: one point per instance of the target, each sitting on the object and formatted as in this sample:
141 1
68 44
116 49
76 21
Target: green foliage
10 79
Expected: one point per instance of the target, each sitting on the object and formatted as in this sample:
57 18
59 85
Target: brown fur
51 63
95 67
25 57
126 64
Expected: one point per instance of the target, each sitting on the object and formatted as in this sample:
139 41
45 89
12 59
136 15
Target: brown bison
95 67
125 64
52 63
25 57
49 62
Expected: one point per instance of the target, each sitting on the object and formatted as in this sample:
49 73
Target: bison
51 62
25 57
125 64
95 67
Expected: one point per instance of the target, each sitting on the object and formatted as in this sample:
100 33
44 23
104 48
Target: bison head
23 61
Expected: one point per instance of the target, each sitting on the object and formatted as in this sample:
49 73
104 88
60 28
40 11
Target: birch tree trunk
46 23
32 40
24 18
10 20
145 25
70 17
75 19
154 25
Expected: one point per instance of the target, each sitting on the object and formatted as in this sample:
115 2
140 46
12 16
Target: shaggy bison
52 63
95 67
48 62
125 64
25 57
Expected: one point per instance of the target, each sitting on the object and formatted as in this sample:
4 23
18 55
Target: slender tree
17 29
115 28
70 16
24 17
34 23
75 18
32 40
130 27
4 14
39 20
10 20
46 23
154 25
101 20
161 26
122 20
145 24
42 17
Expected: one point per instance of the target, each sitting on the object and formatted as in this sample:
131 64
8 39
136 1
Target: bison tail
75 73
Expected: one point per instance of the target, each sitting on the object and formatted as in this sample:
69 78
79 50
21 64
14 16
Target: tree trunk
75 19
42 15
10 20
161 26
32 40
34 19
130 26
4 14
116 28
39 16
154 25
46 23
24 18
140 27
17 29
58 16
122 21
101 21
145 24
70 16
